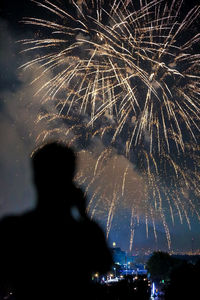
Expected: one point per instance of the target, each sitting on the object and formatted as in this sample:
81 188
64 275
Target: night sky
18 133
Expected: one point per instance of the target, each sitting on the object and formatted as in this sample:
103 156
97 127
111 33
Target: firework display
125 82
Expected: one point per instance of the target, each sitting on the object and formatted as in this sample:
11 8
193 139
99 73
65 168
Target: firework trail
129 77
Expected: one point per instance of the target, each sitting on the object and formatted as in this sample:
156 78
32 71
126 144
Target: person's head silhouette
53 171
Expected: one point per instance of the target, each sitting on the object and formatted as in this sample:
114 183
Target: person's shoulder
93 229
94 226
96 246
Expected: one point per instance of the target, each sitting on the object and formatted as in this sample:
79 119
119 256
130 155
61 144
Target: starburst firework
130 77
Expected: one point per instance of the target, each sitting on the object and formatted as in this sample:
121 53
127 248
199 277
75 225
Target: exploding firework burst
130 78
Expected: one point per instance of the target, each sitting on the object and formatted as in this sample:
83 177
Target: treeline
179 278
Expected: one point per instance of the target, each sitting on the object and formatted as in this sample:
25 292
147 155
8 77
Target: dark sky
18 133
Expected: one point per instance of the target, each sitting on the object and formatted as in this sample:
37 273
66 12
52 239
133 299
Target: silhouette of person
52 251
